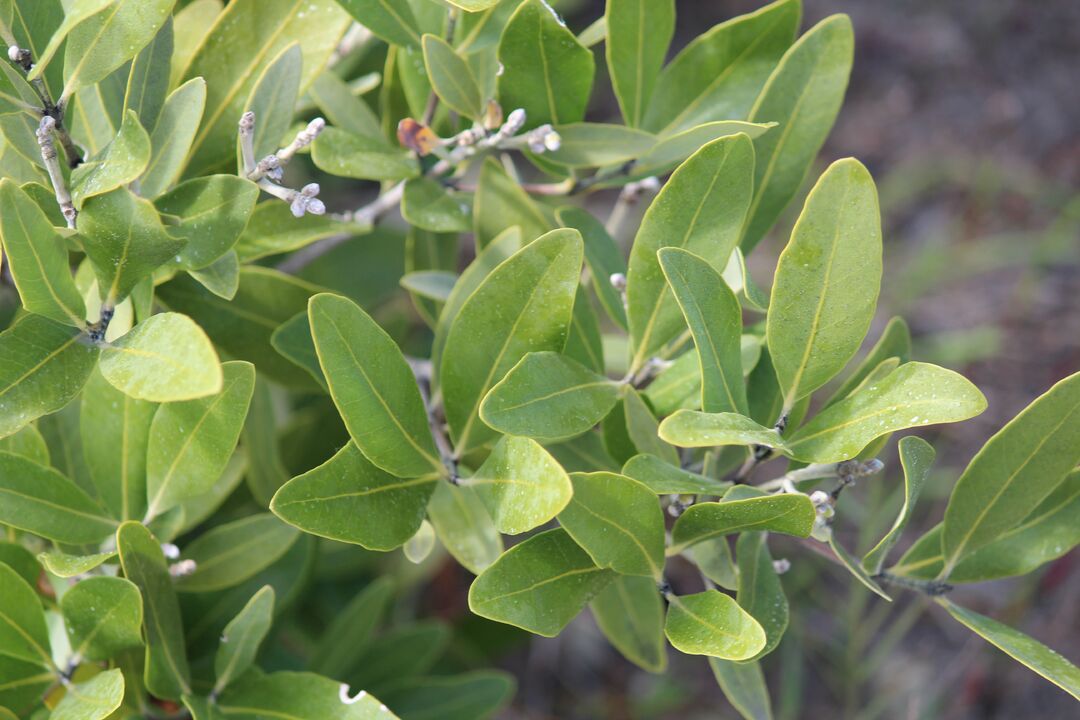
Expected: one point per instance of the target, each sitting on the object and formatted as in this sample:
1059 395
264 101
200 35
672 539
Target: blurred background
968 116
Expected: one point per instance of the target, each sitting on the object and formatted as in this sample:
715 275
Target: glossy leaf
166 358
535 292
895 342
273 98
760 592
743 685
916 457
373 388
103 616
125 240
642 428
191 441
1014 471
689 428
521 485
428 205
65 566
851 563
1020 647
664 478
598 144
22 624
232 62
115 431
540 584
464 527
293 340
394 22
618 522
712 311
123 161
803 94
350 500
670 151
787 514
501 203
37 258
712 623
40 500
630 613
95 699
701 209
602 256
359 156
210 213
546 71
548 396
148 77
167 674
477 694
638 34
233 552
451 78
75 11
298 696
913 395
720 74
108 39
818 316
172 137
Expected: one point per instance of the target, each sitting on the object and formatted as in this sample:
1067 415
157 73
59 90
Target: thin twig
25 60
56 175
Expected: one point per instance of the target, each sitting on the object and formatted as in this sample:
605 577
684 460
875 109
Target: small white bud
13 53
182 568
514 121
618 281
552 141
781 566
170 551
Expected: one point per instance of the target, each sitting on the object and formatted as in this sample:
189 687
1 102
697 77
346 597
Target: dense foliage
205 404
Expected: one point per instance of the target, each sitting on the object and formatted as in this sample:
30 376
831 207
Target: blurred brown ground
968 115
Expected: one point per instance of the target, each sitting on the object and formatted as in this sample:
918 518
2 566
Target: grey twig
56 175
24 59
304 200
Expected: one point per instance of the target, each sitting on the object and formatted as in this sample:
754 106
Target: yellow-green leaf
521 485
712 623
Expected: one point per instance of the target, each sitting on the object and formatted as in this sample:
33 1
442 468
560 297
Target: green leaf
29 443
273 99
107 40
298 696
231 553
191 441
273 229
451 78
638 35
172 137
618 522
122 162
418 548
125 241
243 326
760 592
913 395
265 470
787 514
103 616
115 430
22 561
720 74
666 479
630 613
534 290
75 11
37 258
1025 650
501 203
546 71
743 684
221 277
351 500
669 151
24 683
803 94
66 566
689 428
430 284
393 21
166 358
477 694
1049 532
852 564
293 340
602 256
473 6
712 311
642 428
818 315
232 63
373 388
211 212
348 637
712 623
148 77
540 584
400 653
464 527
895 342
344 154
521 485
335 99
428 205
167 675
23 634
701 209
585 144
95 699
548 396
1013 472
916 457
40 500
